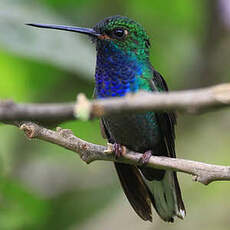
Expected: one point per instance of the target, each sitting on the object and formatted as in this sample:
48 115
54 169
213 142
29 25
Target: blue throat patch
117 73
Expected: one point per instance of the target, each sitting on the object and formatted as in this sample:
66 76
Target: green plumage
123 66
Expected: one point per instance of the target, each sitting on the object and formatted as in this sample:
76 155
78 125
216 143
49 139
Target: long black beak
82 30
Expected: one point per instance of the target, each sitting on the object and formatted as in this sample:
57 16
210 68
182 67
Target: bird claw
145 157
119 150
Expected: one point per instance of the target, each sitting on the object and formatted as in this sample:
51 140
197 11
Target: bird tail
135 189
164 193
166 197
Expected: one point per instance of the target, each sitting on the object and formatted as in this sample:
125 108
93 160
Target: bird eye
119 33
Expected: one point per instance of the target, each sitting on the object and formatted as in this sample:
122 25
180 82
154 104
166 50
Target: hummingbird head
122 33
116 32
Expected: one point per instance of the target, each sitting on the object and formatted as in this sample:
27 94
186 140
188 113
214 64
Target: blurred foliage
46 187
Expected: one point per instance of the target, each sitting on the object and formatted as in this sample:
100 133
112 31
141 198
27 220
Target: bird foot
119 150
145 157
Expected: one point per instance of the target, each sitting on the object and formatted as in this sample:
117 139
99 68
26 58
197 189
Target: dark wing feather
135 190
132 183
166 120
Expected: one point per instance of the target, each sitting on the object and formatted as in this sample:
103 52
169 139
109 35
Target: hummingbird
123 67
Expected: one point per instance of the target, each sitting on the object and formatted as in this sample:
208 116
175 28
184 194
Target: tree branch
204 173
190 101
46 112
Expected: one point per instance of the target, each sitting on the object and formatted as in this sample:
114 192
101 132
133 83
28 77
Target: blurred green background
43 186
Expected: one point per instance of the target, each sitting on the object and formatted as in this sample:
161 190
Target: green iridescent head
123 33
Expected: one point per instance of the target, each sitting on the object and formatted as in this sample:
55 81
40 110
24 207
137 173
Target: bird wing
166 120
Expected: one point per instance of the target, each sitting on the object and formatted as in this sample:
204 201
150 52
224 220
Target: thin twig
203 173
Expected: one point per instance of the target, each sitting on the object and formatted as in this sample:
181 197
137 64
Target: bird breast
138 132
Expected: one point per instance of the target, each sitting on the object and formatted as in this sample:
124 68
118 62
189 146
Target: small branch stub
29 129
222 93
82 108
109 149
